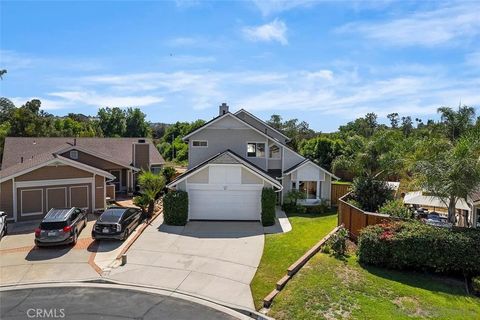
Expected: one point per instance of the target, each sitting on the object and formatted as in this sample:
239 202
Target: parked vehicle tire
126 233
75 239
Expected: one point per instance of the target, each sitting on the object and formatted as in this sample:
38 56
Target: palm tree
453 173
151 185
457 122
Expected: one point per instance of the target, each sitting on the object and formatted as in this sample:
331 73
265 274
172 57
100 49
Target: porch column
318 190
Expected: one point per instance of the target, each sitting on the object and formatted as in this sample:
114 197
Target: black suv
61 226
117 223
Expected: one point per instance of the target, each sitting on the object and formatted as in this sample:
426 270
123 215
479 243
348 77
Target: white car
3 224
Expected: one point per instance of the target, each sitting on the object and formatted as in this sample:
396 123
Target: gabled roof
304 162
117 148
229 114
98 155
45 159
227 157
263 122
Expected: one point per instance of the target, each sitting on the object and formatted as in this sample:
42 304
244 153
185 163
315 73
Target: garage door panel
79 196
31 202
225 204
56 198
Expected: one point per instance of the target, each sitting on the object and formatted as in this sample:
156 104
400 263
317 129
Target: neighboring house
470 208
232 157
41 173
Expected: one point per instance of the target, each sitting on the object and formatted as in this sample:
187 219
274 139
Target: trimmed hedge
175 208
268 207
417 246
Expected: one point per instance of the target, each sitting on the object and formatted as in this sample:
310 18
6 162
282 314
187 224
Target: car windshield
111 215
55 225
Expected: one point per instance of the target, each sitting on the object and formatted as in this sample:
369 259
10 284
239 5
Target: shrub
319 208
338 242
396 208
291 208
175 208
476 285
371 194
417 246
168 173
268 206
294 195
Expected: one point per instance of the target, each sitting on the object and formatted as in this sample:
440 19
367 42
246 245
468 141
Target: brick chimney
222 109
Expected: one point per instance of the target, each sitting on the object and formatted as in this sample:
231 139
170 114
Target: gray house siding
291 158
220 140
260 126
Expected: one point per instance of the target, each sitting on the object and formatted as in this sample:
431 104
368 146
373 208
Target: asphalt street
85 303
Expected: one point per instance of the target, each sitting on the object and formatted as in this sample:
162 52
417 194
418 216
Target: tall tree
112 122
136 125
393 117
457 122
453 173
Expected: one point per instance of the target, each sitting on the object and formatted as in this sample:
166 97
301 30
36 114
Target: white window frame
279 152
200 146
74 154
256 149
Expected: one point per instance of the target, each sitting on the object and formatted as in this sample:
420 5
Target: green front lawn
281 250
328 288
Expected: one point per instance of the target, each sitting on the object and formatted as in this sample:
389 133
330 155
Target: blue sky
323 62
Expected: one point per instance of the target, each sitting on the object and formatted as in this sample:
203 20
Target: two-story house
232 157
42 173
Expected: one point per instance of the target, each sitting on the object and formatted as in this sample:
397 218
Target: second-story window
255 150
274 152
200 143
74 154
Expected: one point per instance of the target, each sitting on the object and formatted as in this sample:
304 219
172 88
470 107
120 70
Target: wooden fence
338 191
355 219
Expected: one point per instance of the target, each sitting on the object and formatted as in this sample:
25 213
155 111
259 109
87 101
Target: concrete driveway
214 260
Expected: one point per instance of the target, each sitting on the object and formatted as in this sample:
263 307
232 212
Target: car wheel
126 233
75 238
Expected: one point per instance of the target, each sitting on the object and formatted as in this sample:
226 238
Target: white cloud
445 25
268 7
473 59
105 100
47 104
273 31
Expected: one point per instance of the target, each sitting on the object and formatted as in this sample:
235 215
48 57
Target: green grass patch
329 288
281 250
342 182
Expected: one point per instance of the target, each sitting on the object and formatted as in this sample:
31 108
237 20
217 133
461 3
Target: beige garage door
31 202
79 196
56 197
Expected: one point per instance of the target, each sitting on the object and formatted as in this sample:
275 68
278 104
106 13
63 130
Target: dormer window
200 143
74 154
256 150
274 152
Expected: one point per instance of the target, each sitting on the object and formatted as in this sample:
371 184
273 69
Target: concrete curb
233 310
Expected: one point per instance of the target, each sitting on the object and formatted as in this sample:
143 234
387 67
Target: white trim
236 118
262 122
70 195
64 197
14 192
256 142
242 164
45 183
59 159
199 146
94 199
104 193
119 180
316 165
21 204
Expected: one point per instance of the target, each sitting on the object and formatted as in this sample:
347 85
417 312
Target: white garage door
225 202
